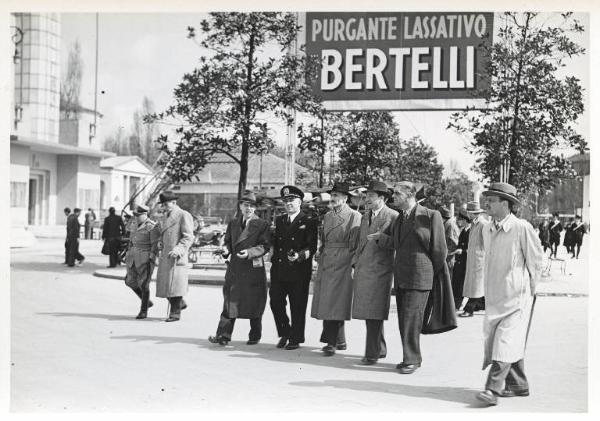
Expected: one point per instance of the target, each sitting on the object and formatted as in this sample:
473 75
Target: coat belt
336 245
149 248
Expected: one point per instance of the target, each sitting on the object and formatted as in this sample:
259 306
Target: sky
146 54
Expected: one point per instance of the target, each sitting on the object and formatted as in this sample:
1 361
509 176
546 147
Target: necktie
243 223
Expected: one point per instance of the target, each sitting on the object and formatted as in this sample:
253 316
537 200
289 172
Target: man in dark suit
112 230
73 228
294 245
67 212
417 236
555 230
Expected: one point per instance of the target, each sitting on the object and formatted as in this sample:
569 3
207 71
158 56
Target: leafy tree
457 188
70 89
220 104
144 133
530 110
117 142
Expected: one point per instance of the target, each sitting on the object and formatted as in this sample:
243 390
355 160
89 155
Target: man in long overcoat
463 220
294 245
332 287
247 239
544 234
579 230
513 264
90 218
112 231
141 257
177 236
417 236
452 232
73 228
473 287
373 272
555 230
67 212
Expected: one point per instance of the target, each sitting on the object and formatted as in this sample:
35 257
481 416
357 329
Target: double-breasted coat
177 235
332 286
555 230
373 269
513 263
245 288
141 255
473 287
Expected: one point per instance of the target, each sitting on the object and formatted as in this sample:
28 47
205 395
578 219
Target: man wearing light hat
513 265
177 236
473 287
141 257
373 271
294 245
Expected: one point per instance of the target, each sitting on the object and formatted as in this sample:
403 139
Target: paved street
77 347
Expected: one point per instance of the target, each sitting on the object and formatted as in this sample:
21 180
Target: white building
121 178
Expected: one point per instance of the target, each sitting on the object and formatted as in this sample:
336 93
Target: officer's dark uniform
291 279
141 258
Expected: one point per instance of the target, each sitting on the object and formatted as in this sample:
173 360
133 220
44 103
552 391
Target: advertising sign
398 60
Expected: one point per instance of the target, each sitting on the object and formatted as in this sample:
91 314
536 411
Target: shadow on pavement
111 317
87 267
451 394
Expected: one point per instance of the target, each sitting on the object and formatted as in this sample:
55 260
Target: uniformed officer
141 257
294 245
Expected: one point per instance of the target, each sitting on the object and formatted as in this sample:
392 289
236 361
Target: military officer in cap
247 240
332 289
141 257
294 245
177 236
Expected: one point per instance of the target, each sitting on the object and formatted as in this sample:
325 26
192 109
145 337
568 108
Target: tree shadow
86 267
111 317
444 393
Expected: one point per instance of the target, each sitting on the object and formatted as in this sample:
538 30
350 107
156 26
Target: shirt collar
293 216
375 212
506 224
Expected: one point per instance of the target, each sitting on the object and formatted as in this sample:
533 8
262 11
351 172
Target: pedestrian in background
373 272
513 264
473 286
112 230
451 231
90 218
141 257
555 230
332 287
569 239
247 239
417 236
294 245
177 236
544 234
73 230
579 230
460 257
67 212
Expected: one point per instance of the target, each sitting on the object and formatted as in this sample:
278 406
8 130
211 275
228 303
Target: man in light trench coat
373 272
332 287
247 239
473 287
177 235
513 263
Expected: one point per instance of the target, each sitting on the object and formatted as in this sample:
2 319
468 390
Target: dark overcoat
245 288
555 230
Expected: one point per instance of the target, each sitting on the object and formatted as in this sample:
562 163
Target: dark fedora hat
503 190
248 197
378 187
140 209
292 192
166 196
445 212
341 187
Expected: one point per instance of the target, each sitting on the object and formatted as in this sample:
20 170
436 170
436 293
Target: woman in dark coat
460 263
247 239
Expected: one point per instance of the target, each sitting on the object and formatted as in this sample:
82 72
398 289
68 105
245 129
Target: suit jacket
113 227
420 246
73 227
555 230
300 236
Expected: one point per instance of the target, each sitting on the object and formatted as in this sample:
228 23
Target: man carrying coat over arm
513 263
417 236
247 239
373 272
294 245
177 236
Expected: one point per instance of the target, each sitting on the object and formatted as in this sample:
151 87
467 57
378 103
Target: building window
18 191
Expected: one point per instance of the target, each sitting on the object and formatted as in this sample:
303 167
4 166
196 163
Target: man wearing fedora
141 257
112 231
294 245
451 231
473 286
177 236
373 271
246 241
513 264
332 287
417 236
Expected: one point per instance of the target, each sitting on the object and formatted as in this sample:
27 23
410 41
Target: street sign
398 60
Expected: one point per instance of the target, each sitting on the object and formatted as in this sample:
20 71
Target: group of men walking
362 260
549 234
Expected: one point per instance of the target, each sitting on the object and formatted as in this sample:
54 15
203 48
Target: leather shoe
465 314
218 340
141 315
341 347
402 364
368 361
183 304
292 345
507 393
172 319
282 342
328 350
488 397
252 342
408 368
